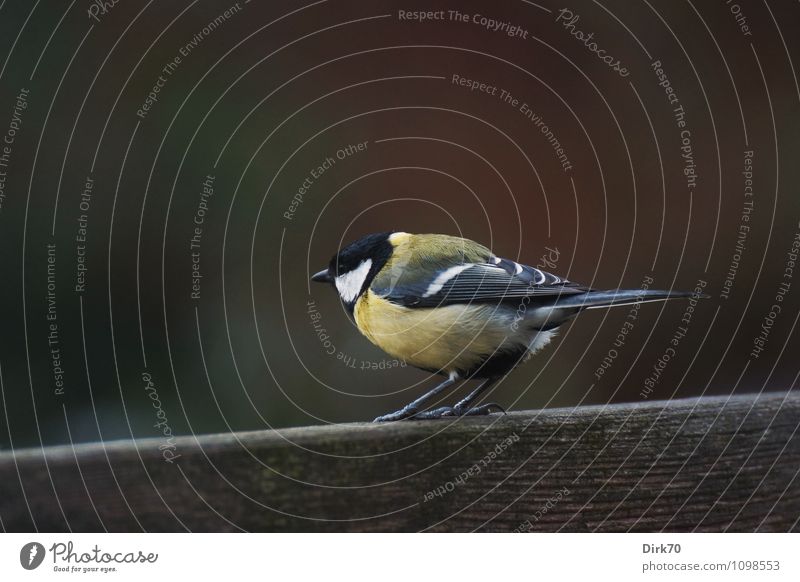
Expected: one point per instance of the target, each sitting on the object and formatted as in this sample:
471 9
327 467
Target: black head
354 267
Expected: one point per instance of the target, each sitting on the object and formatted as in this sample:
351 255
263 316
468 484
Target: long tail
617 297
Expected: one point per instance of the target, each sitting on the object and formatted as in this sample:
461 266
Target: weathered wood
708 464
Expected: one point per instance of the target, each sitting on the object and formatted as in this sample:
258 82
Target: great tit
449 306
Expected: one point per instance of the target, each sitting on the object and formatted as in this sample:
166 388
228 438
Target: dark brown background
306 81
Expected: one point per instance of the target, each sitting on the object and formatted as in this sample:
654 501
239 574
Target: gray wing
492 282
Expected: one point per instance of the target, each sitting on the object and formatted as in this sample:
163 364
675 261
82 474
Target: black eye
339 265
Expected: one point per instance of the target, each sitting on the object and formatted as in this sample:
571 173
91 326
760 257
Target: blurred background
171 173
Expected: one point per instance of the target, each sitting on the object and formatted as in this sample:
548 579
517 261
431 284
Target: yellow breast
454 337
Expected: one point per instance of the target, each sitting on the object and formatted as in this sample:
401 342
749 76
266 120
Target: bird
449 306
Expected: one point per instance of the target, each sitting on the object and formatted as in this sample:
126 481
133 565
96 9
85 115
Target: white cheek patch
350 284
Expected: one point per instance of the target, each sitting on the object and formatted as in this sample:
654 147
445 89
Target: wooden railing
707 464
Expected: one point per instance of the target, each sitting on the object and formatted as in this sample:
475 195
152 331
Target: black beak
322 277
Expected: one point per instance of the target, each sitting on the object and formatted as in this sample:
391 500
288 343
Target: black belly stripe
498 364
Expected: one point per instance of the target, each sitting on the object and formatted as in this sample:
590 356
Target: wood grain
708 464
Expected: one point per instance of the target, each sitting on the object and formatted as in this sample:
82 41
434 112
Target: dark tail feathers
617 297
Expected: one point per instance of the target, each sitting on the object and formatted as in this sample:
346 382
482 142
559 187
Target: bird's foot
405 412
412 413
452 411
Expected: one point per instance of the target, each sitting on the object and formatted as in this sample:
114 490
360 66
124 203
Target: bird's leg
412 408
462 407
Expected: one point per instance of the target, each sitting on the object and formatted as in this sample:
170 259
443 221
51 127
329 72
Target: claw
403 413
484 409
436 413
